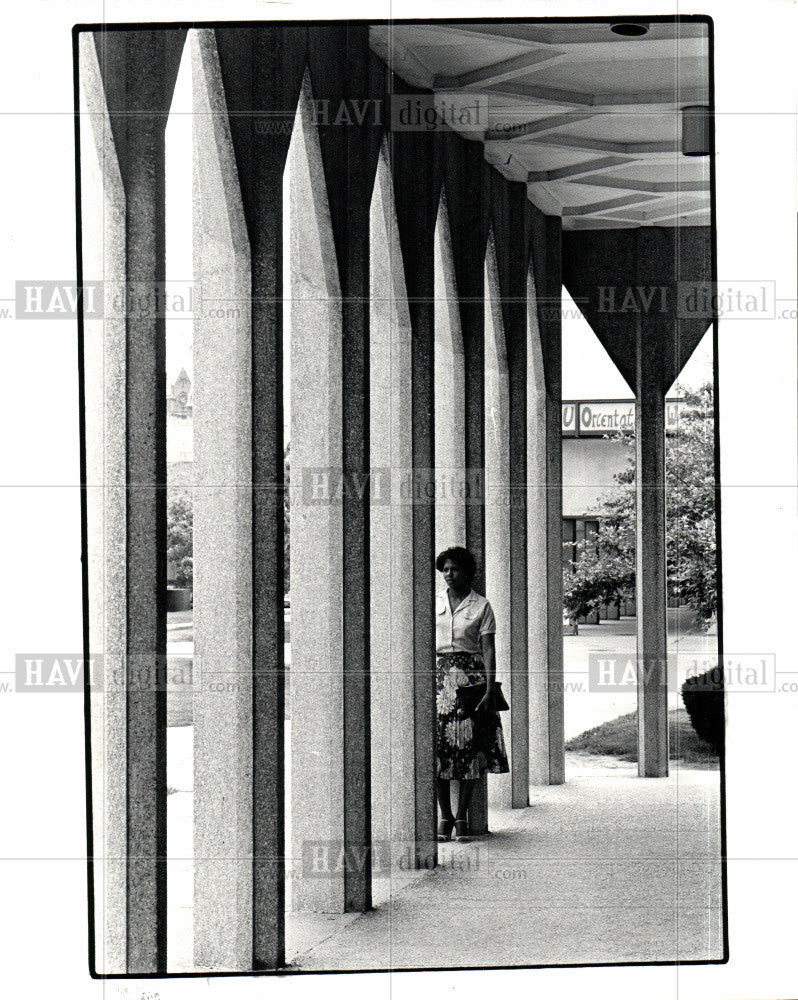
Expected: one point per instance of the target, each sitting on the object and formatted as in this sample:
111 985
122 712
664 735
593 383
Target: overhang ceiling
590 120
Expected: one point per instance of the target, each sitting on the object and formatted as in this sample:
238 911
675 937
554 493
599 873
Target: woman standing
469 739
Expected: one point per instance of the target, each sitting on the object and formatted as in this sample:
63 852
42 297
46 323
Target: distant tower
180 431
179 401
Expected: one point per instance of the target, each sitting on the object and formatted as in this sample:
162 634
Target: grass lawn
618 738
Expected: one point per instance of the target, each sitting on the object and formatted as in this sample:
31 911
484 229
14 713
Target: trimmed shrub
703 700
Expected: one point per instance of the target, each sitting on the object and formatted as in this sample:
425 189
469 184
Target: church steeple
179 402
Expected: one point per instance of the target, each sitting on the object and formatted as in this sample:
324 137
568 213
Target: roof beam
652 187
577 169
605 101
673 95
603 206
605 146
541 95
462 32
677 213
684 34
509 165
396 54
543 199
662 215
577 222
512 133
506 69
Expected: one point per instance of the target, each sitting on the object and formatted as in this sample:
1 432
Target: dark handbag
469 697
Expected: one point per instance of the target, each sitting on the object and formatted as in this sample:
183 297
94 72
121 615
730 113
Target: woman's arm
488 644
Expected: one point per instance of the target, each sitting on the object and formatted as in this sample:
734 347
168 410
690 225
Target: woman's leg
444 799
464 797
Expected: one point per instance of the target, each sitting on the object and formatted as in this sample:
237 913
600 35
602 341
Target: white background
43 914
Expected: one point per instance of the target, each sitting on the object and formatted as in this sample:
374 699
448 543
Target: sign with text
569 418
605 418
597 418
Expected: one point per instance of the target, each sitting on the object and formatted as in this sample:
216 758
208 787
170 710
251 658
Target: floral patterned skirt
466 745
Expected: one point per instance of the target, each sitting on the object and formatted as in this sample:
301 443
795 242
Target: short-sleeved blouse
460 632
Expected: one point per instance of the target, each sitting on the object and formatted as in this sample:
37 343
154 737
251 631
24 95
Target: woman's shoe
445 830
461 834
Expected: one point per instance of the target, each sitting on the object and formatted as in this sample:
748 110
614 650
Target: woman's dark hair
462 557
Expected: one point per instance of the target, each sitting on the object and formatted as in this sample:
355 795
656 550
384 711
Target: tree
287 515
690 501
180 536
602 572
180 532
603 568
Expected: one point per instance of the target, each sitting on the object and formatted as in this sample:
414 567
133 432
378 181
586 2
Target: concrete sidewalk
606 868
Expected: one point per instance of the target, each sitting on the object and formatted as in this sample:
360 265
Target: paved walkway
606 868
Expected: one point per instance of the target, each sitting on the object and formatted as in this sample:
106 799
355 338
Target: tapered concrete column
537 547
423 425
511 214
453 482
392 665
467 175
518 692
547 703
497 501
102 226
651 588
630 283
223 874
261 69
355 410
317 670
450 473
138 102
412 162
342 67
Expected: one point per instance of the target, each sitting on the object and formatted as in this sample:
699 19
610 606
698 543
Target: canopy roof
590 120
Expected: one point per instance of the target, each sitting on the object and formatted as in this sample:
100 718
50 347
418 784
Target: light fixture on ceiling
696 130
630 29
